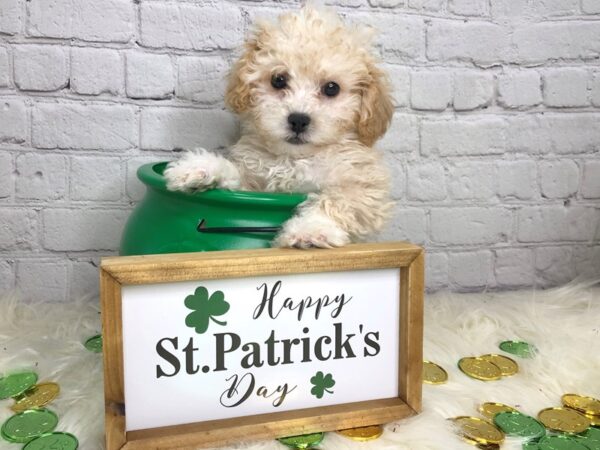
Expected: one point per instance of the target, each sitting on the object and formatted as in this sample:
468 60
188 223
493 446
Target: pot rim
151 175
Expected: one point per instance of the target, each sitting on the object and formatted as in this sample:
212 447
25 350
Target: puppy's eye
331 89
279 81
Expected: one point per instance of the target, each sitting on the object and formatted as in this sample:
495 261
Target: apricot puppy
312 103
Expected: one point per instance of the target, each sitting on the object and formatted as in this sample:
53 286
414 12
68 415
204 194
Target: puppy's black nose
298 122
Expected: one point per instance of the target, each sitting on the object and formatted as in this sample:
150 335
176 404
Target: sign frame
150 269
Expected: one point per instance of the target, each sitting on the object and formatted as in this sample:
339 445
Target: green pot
168 222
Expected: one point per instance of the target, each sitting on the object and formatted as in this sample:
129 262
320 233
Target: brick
4 68
566 88
402 136
395 166
351 3
519 89
472 90
478 42
471 269
469 7
182 128
400 39
10 16
400 79
436 270
513 267
537 43
6 175
553 266
554 133
41 177
150 76
516 179
430 90
41 67
590 187
470 225
135 188
525 134
18 230
565 132
590 6
595 89
13 121
42 280
473 136
427 5
557 223
519 10
105 21
84 126
83 229
7 276
587 262
559 178
426 182
256 15
471 180
556 7
96 178
96 71
201 79
406 224
386 3
84 279
191 26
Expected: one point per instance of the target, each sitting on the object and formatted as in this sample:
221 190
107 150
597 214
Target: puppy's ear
237 95
376 108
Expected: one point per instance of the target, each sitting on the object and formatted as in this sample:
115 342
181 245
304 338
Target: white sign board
214 349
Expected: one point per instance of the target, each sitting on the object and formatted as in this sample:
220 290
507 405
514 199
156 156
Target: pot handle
202 228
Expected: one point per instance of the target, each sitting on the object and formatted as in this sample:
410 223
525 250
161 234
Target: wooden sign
208 349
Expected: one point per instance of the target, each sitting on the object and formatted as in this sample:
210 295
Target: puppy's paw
200 171
313 230
181 176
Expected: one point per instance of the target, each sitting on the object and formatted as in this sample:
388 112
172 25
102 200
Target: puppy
312 103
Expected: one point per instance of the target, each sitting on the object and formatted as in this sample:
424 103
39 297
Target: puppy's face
307 81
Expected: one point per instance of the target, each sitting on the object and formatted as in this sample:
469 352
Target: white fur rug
563 323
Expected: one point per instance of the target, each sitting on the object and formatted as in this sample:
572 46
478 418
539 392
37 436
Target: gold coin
594 420
488 447
489 409
564 420
362 434
586 405
480 369
507 365
481 446
36 397
434 374
478 431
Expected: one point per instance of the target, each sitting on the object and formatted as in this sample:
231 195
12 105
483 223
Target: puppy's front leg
201 170
336 218
311 227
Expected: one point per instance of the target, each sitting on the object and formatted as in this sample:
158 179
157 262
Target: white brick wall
494 146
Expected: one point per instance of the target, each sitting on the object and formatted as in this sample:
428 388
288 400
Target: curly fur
335 163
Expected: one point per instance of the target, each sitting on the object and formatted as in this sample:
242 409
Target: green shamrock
205 308
321 383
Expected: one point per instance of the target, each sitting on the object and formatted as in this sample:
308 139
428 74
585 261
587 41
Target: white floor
564 324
